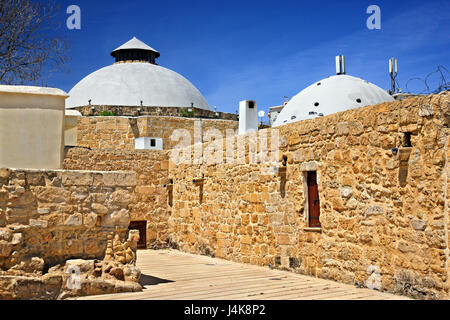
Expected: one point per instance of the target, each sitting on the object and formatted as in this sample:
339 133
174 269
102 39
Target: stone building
145 103
357 196
354 196
356 192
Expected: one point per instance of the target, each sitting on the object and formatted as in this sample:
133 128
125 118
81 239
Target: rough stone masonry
382 175
59 227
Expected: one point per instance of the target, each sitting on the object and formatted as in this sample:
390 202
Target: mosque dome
135 80
333 94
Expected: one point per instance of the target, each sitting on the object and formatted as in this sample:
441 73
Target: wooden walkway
173 275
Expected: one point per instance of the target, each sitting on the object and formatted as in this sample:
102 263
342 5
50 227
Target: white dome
127 84
331 95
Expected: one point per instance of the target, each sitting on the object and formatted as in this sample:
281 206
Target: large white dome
127 84
331 95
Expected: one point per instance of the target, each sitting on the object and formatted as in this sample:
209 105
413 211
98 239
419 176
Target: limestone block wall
384 214
120 132
150 200
58 215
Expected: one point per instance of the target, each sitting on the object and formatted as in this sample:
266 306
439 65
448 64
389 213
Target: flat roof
33 90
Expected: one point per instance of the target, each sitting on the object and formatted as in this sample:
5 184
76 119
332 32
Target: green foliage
185 113
107 114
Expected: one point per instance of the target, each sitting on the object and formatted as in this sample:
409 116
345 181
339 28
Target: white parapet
248 116
31 127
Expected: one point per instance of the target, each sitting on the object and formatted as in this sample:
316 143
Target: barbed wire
443 85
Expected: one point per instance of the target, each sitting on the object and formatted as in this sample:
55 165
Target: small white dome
331 95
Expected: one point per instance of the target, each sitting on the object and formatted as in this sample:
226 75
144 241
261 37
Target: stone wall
59 215
120 132
150 200
155 111
383 206
383 212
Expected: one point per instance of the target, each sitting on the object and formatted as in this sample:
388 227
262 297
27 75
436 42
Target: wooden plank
206 278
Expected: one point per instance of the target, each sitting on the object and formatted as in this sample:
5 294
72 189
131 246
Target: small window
284 161
251 104
407 140
152 142
316 104
358 100
313 200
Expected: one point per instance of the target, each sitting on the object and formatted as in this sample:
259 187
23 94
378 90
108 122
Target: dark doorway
142 227
313 200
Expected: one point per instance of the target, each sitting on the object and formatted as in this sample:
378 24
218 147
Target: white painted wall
31 127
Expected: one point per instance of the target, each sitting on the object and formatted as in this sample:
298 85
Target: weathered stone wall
59 215
155 111
120 132
384 215
150 200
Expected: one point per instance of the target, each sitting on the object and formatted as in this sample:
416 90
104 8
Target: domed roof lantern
135 51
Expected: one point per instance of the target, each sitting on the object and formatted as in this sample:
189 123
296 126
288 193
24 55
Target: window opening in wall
284 161
152 142
313 200
407 140
170 192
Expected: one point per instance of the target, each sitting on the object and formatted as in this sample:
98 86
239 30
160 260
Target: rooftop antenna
393 73
340 64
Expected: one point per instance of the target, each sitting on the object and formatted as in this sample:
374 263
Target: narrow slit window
313 200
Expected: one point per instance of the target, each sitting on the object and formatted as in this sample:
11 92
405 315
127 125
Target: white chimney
248 116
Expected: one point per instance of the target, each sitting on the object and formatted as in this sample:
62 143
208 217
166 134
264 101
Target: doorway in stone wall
141 226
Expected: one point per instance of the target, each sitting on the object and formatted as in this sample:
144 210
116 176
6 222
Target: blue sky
263 50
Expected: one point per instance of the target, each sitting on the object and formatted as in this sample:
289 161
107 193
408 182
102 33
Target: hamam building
358 194
150 102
